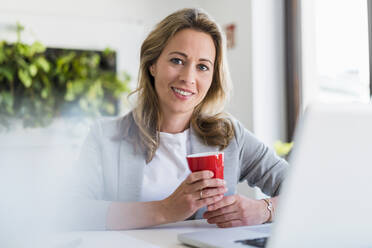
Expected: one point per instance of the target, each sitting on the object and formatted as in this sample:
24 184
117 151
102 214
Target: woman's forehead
196 44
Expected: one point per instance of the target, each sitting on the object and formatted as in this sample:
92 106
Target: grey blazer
109 170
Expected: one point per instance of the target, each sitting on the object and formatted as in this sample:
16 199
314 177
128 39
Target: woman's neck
175 123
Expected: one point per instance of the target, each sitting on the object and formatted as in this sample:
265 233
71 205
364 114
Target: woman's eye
176 61
203 67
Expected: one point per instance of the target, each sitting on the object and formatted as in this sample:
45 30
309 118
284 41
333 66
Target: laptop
326 200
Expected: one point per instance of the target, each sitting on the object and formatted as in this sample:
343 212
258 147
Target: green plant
282 148
38 84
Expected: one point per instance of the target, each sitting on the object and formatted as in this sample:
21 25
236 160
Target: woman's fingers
235 210
226 201
220 211
231 223
209 200
209 192
224 218
207 183
198 190
213 191
202 180
199 175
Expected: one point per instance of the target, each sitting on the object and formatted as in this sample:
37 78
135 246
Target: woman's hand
199 189
237 210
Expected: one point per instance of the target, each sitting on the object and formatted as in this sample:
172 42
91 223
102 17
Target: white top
168 169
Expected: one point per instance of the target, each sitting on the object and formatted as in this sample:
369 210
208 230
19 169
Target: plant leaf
7 72
44 93
2 53
23 49
32 70
25 78
95 60
107 51
43 64
282 148
64 59
37 47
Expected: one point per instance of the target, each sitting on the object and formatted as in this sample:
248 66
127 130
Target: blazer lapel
130 173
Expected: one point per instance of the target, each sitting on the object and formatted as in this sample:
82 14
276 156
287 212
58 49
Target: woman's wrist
269 209
269 205
265 214
162 212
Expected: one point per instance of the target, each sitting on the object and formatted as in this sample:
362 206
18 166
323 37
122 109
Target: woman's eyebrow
179 53
206 60
185 55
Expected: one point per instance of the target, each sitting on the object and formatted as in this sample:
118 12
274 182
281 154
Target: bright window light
335 45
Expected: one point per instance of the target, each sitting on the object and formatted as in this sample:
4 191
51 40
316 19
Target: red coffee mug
212 161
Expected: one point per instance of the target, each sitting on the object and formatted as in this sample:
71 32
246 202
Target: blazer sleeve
259 165
88 207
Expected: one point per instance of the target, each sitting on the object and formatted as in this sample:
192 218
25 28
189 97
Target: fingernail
211 173
221 181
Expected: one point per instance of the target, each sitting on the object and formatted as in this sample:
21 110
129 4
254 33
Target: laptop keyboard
260 242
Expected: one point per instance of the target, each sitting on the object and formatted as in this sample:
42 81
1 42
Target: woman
134 168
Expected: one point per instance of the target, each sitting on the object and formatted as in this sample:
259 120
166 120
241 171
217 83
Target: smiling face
183 72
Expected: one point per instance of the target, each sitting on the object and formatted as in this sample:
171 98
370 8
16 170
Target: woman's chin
182 110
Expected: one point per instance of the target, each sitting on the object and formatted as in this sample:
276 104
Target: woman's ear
152 70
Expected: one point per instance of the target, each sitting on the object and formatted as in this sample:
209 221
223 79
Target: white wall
268 70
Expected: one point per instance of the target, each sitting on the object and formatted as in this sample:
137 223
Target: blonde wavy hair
208 119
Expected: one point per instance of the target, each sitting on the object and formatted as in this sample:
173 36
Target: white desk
159 236
166 235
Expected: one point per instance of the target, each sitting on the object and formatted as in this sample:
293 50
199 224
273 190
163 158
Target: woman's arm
259 165
180 205
128 215
237 210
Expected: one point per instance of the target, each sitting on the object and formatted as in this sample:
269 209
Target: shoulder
241 134
237 125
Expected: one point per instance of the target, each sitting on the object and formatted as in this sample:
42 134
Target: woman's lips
182 93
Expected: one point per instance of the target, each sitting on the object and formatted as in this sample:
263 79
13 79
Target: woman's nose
188 74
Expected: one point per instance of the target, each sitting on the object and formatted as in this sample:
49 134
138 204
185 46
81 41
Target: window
327 54
335 53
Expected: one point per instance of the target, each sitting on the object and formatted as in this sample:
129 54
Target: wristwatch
270 207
